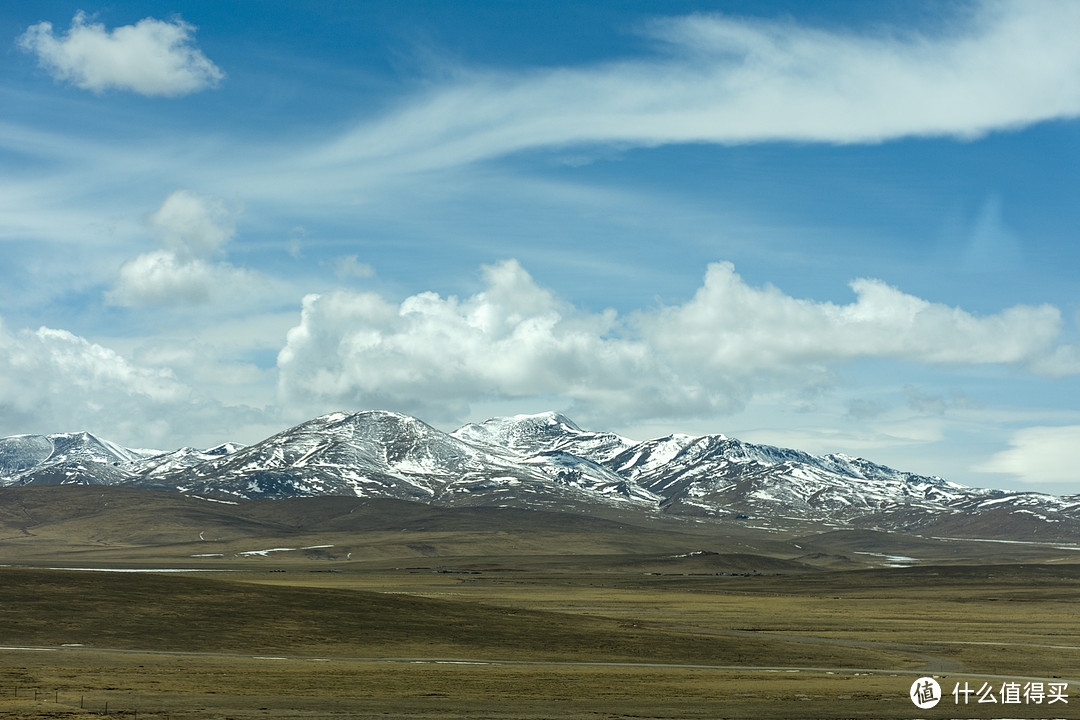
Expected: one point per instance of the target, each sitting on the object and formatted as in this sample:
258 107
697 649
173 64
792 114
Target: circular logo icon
925 693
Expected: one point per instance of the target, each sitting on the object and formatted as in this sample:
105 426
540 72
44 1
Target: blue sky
837 226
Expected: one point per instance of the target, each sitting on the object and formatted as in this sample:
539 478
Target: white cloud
433 356
728 80
165 278
1039 455
192 229
192 224
53 381
151 57
349 266
515 340
730 325
1065 360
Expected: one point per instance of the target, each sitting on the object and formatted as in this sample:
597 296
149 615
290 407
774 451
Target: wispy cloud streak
731 81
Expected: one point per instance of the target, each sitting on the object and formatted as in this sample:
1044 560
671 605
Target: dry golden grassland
537 645
247 688
389 611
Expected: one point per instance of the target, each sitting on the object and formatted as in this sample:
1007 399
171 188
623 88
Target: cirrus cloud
731 80
151 57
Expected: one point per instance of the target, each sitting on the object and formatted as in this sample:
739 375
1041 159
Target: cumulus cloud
151 57
1065 360
349 266
731 80
515 339
729 324
433 355
192 229
54 381
191 224
165 278
1039 455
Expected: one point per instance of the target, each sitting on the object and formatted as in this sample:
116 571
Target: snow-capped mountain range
544 460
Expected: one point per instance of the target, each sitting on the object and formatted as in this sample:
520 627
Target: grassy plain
328 609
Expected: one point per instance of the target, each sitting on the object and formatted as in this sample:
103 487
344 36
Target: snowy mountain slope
794 489
386 454
545 461
165 464
722 472
543 432
340 453
65 458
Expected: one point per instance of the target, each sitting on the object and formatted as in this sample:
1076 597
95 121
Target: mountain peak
226 448
544 432
548 423
549 417
521 433
362 416
365 423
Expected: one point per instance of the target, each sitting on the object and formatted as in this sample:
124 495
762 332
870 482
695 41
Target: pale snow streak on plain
515 339
151 57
